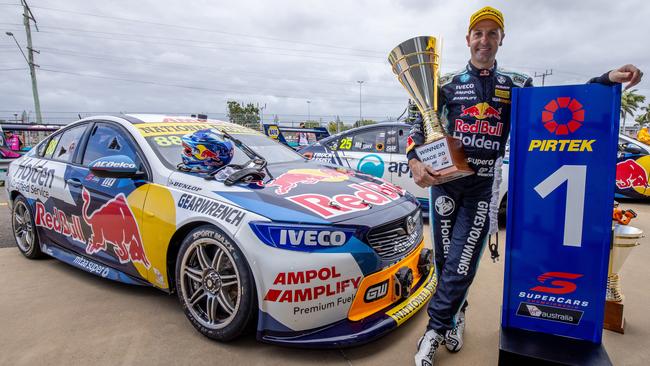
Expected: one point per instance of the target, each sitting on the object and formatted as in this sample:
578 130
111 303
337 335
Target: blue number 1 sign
560 196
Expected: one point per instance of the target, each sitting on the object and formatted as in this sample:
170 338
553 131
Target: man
13 141
303 140
463 211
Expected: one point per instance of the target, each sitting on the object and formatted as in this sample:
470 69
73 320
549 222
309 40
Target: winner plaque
416 64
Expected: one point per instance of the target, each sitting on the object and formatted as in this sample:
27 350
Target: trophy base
614 318
524 347
447 157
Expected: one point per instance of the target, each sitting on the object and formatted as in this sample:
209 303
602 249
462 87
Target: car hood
311 192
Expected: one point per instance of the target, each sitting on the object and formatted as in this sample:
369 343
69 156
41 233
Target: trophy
625 239
416 64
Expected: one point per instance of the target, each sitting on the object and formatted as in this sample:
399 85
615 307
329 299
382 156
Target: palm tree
644 118
630 102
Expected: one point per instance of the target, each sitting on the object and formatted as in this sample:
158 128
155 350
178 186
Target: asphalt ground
54 314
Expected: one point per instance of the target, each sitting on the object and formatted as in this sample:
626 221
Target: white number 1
576 178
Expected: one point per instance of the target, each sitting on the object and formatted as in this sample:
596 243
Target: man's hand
629 74
423 175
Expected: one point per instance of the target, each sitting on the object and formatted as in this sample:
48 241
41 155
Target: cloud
188 57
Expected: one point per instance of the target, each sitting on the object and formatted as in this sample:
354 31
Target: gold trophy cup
625 239
416 64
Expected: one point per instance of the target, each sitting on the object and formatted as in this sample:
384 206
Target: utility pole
360 116
308 111
27 17
544 75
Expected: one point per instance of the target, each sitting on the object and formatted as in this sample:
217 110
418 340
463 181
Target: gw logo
376 292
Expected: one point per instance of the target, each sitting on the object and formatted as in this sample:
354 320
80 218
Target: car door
365 151
111 208
54 201
400 174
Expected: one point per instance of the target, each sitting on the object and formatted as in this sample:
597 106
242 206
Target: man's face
483 42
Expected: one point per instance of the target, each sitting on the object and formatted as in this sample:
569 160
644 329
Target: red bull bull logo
563 115
481 111
631 174
291 179
113 223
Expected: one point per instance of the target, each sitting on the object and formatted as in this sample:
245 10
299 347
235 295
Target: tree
248 115
630 102
364 122
336 126
644 118
312 124
276 119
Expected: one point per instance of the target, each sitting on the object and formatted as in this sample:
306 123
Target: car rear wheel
214 284
22 222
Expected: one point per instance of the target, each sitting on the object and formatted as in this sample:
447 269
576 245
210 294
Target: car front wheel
214 284
22 223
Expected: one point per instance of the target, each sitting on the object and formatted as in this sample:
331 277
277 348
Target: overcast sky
192 56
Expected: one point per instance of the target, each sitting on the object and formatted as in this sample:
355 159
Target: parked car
632 169
378 150
316 255
290 135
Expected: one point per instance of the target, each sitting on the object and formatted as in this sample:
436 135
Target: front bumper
349 332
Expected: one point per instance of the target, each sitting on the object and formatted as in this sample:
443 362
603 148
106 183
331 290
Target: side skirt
89 265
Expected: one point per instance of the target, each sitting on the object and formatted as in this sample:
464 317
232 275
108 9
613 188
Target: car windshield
165 139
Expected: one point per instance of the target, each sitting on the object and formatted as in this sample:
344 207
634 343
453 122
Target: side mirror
633 149
114 166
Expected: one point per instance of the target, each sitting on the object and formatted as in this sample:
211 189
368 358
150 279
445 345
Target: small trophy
625 239
415 62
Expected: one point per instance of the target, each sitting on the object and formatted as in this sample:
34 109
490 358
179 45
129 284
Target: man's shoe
454 336
427 346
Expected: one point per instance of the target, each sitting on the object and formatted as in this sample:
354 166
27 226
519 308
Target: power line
139 35
243 50
121 59
199 87
180 26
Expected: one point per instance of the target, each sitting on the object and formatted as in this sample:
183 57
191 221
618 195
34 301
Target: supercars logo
563 115
558 281
290 180
632 174
481 111
113 223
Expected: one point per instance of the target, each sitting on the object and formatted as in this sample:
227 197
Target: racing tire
215 285
24 229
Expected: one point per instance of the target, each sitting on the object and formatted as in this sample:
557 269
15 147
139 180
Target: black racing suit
474 106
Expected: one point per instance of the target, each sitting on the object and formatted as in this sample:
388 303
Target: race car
379 150
309 254
632 169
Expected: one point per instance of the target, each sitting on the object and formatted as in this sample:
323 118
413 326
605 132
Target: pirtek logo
557 279
563 115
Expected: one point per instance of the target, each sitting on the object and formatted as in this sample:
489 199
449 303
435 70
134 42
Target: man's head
302 125
485 35
8 133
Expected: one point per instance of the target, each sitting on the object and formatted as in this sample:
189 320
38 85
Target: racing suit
474 106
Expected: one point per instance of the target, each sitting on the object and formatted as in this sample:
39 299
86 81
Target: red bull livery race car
311 254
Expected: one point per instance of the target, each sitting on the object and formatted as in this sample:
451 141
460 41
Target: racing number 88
167 140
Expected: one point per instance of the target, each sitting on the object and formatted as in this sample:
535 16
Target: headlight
304 238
